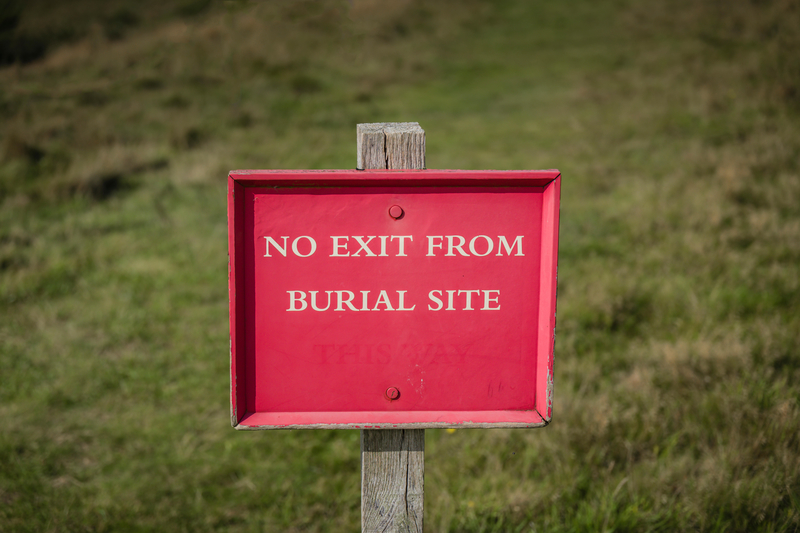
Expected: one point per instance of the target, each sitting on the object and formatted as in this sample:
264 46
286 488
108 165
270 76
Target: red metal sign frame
263 370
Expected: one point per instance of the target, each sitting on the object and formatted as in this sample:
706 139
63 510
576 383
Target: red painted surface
331 280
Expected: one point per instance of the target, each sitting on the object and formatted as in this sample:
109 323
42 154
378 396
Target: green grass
676 126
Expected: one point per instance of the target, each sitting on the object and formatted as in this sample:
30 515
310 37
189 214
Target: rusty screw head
392 393
395 212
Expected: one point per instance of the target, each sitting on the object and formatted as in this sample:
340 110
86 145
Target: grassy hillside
676 126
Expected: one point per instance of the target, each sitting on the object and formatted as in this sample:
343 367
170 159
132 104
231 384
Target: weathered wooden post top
392 299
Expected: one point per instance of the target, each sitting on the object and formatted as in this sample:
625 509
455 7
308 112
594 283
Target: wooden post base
392 480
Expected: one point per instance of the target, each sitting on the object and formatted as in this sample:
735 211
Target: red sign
392 299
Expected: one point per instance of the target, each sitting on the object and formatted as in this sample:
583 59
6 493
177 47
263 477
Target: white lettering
468 305
489 245
364 245
337 245
432 244
294 299
347 302
487 300
504 243
435 299
401 304
491 300
314 300
364 295
401 249
383 298
311 241
451 246
450 301
277 246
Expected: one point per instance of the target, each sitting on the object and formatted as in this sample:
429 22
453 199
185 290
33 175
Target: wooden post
392 460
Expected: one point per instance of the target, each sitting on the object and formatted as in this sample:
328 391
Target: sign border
548 181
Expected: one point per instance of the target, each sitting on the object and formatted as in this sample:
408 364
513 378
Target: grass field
676 126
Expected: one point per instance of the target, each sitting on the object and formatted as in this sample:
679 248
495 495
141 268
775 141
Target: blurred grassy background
676 126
